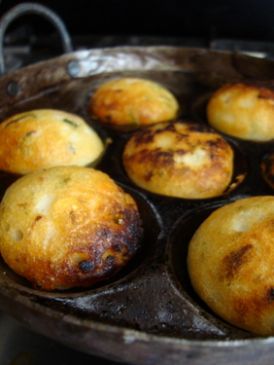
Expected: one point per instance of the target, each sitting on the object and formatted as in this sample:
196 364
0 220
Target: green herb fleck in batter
19 118
70 122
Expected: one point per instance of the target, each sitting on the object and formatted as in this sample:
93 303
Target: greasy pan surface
148 313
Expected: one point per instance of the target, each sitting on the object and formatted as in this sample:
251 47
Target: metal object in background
29 8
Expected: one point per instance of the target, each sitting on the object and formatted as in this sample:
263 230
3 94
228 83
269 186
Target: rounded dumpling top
230 263
73 227
129 103
243 110
179 160
44 138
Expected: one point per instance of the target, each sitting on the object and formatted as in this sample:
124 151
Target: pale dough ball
244 111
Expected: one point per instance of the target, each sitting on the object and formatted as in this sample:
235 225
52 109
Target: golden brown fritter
231 260
244 111
129 103
73 227
179 160
44 138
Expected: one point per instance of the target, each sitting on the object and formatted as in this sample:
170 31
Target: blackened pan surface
148 313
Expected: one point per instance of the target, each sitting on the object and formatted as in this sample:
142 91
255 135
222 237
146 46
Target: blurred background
248 19
244 26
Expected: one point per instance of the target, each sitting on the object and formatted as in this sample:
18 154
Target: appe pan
148 313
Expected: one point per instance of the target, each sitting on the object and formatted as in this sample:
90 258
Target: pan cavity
177 251
149 248
267 169
160 164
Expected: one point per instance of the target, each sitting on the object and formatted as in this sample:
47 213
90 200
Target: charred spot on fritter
234 260
148 176
86 266
241 308
110 261
181 151
218 143
194 127
118 247
181 136
153 156
170 127
36 219
270 295
266 93
144 136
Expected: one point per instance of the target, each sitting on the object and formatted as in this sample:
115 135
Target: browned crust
45 138
234 260
96 260
128 103
74 227
162 168
230 262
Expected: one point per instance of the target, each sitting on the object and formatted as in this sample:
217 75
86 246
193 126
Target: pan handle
28 8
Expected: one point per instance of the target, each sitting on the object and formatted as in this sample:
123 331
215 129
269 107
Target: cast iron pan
148 313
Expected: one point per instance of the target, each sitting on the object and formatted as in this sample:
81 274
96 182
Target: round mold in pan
149 248
140 298
198 107
69 100
177 251
169 81
114 165
198 111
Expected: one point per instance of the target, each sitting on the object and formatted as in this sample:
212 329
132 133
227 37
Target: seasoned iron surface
149 312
